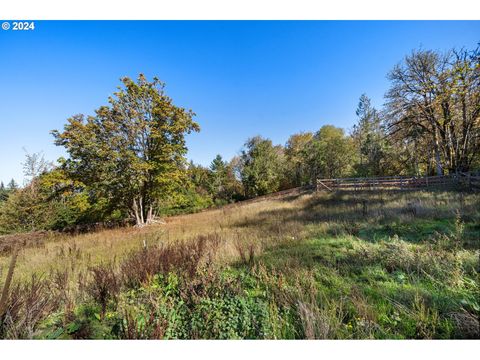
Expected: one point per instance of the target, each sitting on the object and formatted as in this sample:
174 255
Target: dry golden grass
260 223
80 251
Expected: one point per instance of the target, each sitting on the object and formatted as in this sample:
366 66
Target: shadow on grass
413 216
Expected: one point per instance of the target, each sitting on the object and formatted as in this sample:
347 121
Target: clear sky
241 78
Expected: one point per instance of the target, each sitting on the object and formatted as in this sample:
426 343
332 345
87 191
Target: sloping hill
298 265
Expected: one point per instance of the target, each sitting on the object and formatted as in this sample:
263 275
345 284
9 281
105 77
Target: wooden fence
469 181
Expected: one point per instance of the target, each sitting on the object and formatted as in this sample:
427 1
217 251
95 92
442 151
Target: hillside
305 265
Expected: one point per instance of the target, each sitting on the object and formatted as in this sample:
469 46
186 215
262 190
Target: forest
127 161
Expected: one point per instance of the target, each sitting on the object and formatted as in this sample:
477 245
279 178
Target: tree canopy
434 104
261 166
132 151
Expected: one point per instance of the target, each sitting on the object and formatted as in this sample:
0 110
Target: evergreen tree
370 139
218 173
3 192
12 185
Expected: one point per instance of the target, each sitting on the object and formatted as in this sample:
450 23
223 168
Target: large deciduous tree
261 166
330 153
434 105
132 151
296 165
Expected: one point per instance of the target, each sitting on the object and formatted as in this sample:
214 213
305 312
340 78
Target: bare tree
33 166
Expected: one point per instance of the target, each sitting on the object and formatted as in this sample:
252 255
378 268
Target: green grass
309 267
401 302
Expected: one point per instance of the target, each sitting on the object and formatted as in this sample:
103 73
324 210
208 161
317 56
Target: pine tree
12 185
3 192
218 171
370 139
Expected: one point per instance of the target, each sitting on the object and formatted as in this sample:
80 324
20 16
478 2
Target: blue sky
241 78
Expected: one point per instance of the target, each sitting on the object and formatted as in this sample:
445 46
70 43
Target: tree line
128 159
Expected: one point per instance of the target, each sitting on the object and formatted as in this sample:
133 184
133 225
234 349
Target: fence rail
469 181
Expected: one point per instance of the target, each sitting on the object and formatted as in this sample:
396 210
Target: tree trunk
136 211
438 163
150 215
142 219
141 210
8 281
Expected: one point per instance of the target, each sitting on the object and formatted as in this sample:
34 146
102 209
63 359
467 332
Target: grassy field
314 265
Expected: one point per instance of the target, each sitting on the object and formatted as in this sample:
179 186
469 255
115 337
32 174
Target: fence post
8 281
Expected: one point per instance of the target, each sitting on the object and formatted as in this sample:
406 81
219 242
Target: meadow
312 265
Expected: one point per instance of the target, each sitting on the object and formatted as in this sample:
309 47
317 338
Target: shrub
210 305
27 305
185 257
246 252
104 285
